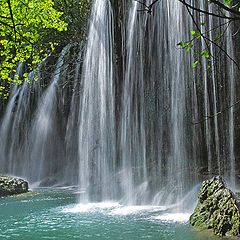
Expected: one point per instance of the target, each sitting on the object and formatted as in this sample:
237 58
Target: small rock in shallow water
217 209
11 186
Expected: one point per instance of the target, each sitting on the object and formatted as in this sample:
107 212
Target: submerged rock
217 209
48 182
11 186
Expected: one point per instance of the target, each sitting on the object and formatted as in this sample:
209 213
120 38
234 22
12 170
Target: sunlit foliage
24 25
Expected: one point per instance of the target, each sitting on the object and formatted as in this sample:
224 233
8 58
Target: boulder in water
11 186
48 182
217 209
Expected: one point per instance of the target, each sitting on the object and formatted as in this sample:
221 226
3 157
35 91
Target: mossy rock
217 209
11 186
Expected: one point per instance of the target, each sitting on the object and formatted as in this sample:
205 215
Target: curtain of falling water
219 94
71 136
231 69
43 138
7 127
5 130
16 163
206 100
214 100
154 102
180 70
97 157
133 144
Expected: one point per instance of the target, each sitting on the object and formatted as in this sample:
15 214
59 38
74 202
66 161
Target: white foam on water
174 217
128 210
91 207
116 209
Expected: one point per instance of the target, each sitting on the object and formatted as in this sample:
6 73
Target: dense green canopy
31 29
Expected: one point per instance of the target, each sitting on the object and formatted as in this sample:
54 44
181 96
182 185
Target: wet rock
217 209
11 186
48 182
203 171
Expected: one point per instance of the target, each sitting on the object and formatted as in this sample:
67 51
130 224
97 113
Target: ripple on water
132 210
173 217
90 207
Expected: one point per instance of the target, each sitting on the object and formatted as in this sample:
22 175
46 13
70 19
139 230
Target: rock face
217 209
11 186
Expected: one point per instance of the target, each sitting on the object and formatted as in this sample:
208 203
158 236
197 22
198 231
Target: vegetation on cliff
217 209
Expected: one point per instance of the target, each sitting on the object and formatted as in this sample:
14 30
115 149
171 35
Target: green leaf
205 54
182 44
193 32
35 21
195 64
228 2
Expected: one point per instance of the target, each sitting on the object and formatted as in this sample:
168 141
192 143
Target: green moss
216 209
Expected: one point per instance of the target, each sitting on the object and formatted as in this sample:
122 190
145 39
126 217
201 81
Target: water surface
54 214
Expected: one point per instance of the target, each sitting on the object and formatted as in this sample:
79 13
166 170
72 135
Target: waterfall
214 101
8 126
133 141
44 137
218 96
6 129
145 132
97 134
231 125
154 123
178 81
71 136
18 127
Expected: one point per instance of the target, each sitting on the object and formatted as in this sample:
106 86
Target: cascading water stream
231 121
16 163
97 154
215 100
133 143
154 128
43 136
6 127
209 100
217 96
178 80
71 136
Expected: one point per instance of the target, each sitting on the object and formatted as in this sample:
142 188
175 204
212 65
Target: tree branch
12 18
223 6
149 9
206 12
206 118
4 17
